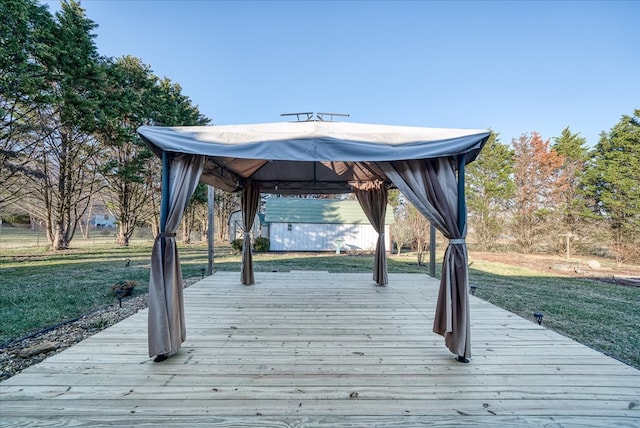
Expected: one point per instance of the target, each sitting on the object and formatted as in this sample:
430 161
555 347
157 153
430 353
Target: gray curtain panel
166 307
373 200
432 187
250 201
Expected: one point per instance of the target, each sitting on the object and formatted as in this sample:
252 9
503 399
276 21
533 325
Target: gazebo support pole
462 215
164 200
462 206
210 234
432 250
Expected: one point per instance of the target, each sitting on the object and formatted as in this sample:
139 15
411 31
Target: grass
353 263
600 315
39 288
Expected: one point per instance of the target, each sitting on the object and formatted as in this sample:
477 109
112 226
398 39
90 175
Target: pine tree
25 28
572 147
65 158
126 161
611 181
489 191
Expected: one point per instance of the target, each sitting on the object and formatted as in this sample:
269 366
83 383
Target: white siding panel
322 237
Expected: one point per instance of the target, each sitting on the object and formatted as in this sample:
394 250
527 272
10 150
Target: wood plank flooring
322 350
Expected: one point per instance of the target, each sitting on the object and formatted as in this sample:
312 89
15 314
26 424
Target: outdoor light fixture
202 271
538 316
119 295
473 289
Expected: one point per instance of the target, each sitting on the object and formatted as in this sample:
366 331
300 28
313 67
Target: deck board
320 349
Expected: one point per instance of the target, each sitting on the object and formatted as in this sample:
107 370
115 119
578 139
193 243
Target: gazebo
426 164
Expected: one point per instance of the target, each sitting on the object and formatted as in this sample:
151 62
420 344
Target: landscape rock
594 264
38 348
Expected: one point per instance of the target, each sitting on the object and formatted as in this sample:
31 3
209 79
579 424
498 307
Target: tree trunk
87 228
123 236
60 241
186 230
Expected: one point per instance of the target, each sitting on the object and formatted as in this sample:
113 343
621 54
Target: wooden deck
318 349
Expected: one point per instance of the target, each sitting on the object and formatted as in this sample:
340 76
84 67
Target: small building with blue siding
296 224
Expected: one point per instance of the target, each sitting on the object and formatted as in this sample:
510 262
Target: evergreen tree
168 106
572 147
490 189
25 27
173 108
612 184
136 97
65 156
127 161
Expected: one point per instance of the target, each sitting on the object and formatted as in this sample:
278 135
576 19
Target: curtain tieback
457 241
166 235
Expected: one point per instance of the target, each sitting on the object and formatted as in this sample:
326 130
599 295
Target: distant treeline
538 196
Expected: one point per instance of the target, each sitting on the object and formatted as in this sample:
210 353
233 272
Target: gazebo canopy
425 164
308 157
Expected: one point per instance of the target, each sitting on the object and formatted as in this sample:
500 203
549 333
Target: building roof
318 211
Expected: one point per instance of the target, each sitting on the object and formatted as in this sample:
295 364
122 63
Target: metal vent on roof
308 116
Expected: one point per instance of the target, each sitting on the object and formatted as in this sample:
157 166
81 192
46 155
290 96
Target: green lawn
39 288
603 316
283 262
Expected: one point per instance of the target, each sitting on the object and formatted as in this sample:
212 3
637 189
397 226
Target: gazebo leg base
462 359
160 358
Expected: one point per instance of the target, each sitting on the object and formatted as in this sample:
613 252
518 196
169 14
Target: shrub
124 288
236 244
16 218
261 244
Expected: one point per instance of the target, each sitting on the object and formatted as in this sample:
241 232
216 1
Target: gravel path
18 355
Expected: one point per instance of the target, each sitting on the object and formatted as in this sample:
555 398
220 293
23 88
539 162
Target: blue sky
515 67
